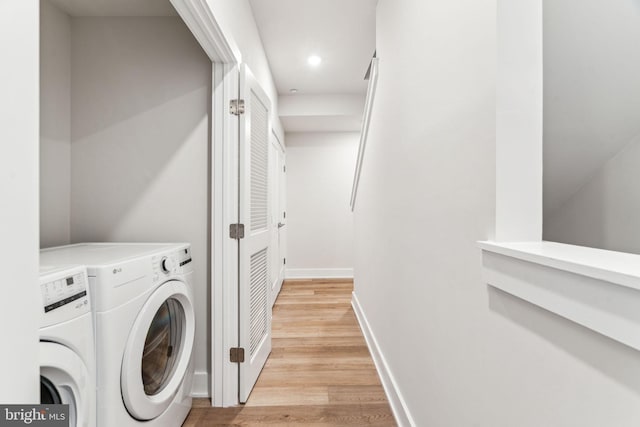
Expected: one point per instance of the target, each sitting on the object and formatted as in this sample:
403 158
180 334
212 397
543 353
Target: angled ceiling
341 32
591 91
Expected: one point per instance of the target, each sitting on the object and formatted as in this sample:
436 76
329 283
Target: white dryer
67 357
145 326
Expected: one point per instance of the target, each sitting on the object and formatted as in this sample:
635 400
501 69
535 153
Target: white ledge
615 267
595 288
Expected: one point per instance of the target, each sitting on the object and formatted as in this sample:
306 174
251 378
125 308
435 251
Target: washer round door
158 351
64 378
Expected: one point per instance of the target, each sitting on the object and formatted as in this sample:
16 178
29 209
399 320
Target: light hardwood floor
319 373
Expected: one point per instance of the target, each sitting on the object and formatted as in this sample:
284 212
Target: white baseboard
397 402
200 387
319 273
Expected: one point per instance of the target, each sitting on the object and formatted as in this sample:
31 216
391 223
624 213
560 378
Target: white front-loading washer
142 299
66 349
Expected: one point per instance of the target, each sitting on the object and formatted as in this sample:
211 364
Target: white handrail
371 92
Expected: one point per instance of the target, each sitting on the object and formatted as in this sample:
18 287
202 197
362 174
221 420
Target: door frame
222 383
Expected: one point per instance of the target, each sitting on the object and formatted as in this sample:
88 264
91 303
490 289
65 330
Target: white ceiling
116 7
321 124
342 32
321 113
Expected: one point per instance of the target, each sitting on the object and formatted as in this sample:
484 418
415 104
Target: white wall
19 137
55 126
235 17
592 90
592 123
426 195
460 353
319 220
519 123
604 212
140 135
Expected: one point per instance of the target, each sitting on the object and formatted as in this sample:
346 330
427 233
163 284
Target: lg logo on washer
34 415
117 270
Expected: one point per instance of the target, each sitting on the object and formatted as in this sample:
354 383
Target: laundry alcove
125 115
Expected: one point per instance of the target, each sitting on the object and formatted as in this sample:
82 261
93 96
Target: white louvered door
255 298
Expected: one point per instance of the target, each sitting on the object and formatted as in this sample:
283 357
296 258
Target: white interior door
282 222
254 292
274 216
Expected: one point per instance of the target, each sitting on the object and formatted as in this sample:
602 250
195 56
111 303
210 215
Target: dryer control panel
64 295
175 262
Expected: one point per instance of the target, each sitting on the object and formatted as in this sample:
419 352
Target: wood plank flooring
319 373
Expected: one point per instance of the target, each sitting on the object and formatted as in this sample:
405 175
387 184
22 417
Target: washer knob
166 264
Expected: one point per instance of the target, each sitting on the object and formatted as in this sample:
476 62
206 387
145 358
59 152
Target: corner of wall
200 387
396 400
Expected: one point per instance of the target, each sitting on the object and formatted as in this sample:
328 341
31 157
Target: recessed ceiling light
293 90
314 60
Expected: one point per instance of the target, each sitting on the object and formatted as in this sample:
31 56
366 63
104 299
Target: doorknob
280 224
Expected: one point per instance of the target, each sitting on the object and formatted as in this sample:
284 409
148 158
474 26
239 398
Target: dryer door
158 351
64 378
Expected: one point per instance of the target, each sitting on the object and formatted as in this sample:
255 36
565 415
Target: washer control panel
65 294
64 290
175 262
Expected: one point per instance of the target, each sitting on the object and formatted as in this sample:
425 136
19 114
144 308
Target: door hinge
237 354
236 107
284 261
284 215
236 231
284 169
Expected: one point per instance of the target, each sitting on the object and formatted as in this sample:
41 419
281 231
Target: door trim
205 28
223 202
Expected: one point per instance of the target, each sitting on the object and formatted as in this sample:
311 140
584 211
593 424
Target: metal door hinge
236 107
284 261
236 231
237 355
284 215
284 169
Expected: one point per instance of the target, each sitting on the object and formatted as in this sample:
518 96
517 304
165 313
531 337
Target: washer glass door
48 393
158 351
64 378
161 346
